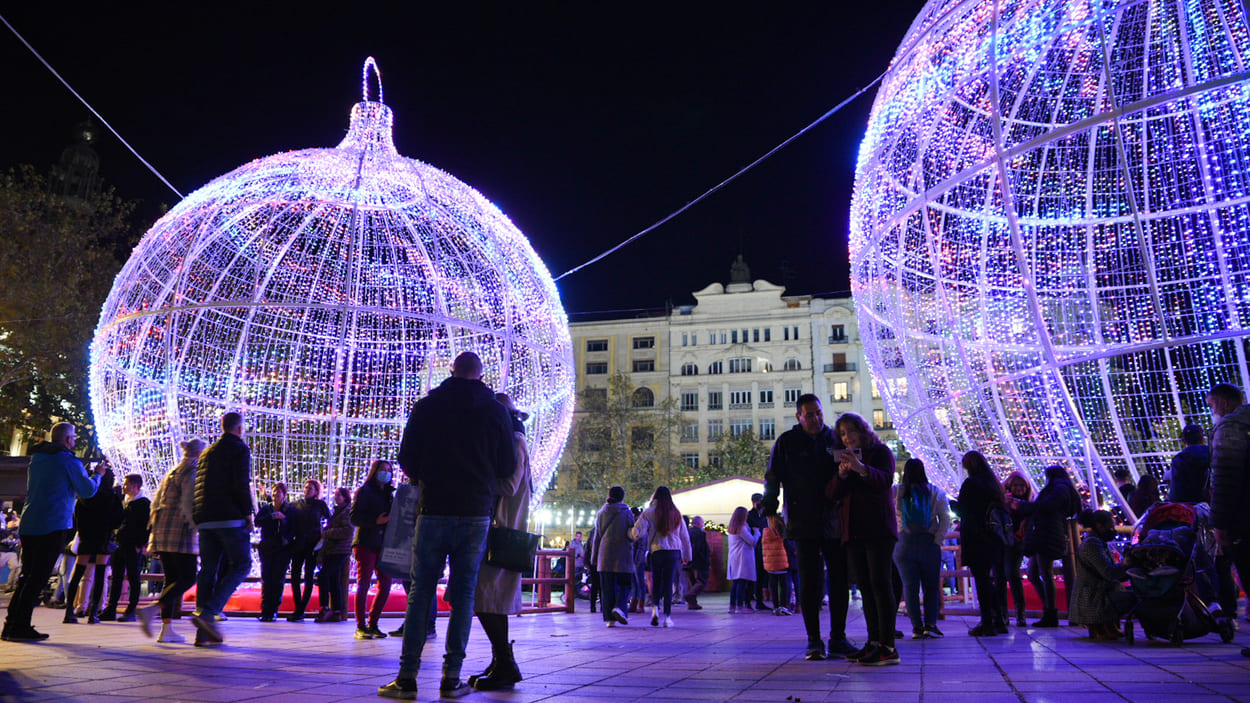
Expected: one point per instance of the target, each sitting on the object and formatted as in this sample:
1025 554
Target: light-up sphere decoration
1050 232
321 293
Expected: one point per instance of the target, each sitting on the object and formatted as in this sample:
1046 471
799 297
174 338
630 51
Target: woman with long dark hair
664 532
370 511
95 518
1016 488
923 519
1047 537
869 531
982 553
175 541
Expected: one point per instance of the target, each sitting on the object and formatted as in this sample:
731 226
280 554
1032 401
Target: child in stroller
1173 575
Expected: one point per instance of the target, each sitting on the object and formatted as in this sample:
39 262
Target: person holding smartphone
869 531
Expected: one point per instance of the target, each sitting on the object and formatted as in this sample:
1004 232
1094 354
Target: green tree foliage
744 455
58 258
620 439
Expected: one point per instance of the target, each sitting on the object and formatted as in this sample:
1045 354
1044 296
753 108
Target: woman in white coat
740 569
498 592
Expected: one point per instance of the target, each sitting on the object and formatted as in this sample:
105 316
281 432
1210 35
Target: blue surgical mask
384 476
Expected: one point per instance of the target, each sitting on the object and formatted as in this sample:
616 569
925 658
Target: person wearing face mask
336 547
370 511
1230 488
1100 601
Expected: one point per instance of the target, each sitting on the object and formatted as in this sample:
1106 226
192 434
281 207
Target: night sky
584 122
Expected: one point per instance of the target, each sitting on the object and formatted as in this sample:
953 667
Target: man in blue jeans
457 445
53 480
222 510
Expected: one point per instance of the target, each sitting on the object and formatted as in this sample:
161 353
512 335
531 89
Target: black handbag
509 549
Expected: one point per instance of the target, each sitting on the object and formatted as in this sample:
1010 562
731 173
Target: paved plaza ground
709 656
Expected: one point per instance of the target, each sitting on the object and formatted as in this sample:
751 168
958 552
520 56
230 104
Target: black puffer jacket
1047 535
1191 475
370 502
223 482
458 443
338 534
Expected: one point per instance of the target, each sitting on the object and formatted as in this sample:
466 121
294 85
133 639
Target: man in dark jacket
803 462
757 519
222 510
698 571
54 478
131 538
456 446
1230 488
1190 474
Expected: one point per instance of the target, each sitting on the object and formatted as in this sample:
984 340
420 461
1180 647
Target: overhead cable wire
83 100
727 181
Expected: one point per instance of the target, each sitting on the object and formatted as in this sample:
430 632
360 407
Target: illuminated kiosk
321 293
1050 231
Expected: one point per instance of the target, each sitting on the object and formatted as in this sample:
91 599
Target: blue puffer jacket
55 478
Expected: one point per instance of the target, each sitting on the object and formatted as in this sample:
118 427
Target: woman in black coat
95 518
370 511
1047 536
982 553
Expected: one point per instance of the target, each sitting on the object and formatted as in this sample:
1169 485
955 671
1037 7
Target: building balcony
839 399
766 403
839 368
840 340
739 406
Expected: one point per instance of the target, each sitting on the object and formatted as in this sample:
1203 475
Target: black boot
504 673
1050 618
485 674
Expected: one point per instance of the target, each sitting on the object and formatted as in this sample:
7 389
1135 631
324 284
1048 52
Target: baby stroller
1173 576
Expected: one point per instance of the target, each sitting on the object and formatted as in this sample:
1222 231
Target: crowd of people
844 520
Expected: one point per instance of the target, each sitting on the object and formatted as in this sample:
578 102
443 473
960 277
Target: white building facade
738 358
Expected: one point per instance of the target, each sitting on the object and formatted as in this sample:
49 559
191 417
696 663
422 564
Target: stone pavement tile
302 697
1238 688
1189 698
1065 685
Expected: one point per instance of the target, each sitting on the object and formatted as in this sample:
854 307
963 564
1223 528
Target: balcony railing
839 340
838 368
766 403
840 398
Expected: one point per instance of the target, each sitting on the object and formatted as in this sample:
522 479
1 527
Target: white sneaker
668 621
168 636
146 615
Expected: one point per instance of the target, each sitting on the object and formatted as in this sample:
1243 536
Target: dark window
644 342
596 345
596 367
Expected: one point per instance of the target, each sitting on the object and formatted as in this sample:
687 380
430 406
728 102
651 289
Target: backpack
998 525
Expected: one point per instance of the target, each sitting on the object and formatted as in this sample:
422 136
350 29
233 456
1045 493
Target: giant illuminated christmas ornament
321 293
1050 232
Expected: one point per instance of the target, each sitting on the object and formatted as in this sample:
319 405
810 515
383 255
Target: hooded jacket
611 550
1230 473
53 479
456 446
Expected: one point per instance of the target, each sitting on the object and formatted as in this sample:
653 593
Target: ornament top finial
370 62
372 121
